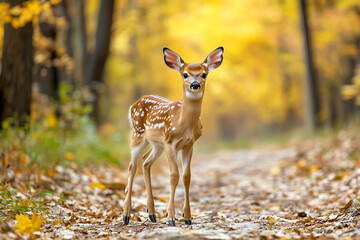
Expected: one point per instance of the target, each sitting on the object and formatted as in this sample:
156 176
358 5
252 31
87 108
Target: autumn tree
95 68
312 93
16 74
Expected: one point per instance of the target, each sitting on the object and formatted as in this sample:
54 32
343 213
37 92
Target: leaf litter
306 191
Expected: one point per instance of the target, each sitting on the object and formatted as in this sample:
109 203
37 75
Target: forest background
69 70
289 67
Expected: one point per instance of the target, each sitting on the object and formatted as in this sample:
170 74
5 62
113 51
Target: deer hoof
152 217
172 223
126 220
188 222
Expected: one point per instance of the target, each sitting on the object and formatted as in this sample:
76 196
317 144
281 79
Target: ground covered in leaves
306 191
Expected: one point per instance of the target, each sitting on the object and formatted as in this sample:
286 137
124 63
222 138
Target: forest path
238 194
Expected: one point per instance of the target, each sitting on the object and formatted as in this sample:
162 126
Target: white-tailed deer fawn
170 126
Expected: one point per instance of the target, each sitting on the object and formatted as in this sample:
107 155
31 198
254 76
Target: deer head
193 74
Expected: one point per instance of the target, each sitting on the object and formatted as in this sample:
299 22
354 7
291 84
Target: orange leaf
97 185
69 156
23 159
51 173
162 199
347 206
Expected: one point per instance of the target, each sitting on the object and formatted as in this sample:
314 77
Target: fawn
170 126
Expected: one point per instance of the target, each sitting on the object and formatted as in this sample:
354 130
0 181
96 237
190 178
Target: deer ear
214 59
172 59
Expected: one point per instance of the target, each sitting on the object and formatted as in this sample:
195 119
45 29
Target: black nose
195 85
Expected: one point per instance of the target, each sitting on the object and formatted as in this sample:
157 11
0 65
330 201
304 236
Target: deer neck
190 111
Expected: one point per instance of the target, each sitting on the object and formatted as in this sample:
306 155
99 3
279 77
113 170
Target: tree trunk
46 76
78 39
95 68
16 75
64 36
351 63
312 92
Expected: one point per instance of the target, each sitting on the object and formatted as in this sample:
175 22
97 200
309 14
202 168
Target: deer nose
195 85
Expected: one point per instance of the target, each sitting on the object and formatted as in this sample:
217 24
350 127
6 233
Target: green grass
11 205
48 140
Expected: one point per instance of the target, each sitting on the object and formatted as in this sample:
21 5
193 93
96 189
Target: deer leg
174 180
154 154
135 156
186 160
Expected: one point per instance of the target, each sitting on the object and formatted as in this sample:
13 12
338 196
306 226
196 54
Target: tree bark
16 75
348 106
78 39
46 76
312 92
95 68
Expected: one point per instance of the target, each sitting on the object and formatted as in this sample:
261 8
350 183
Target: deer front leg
154 154
174 180
135 156
186 160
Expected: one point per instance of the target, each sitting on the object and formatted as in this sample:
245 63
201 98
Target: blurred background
71 69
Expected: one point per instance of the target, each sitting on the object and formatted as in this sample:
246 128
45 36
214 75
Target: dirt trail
240 194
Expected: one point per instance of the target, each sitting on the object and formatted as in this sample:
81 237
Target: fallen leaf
25 225
162 199
69 156
97 185
23 159
56 222
347 206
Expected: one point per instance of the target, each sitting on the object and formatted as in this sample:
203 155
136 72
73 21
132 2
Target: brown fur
170 126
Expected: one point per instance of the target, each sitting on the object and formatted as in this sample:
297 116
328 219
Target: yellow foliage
33 6
17 10
356 80
52 120
4 13
55 2
349 91
18 15
25 225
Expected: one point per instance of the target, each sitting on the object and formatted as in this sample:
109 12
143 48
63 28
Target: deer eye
203 75
185 75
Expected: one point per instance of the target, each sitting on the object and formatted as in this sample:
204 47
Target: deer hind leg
186 160
136 151
151 156
174 180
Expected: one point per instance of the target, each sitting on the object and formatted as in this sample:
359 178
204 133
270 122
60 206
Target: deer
170 126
